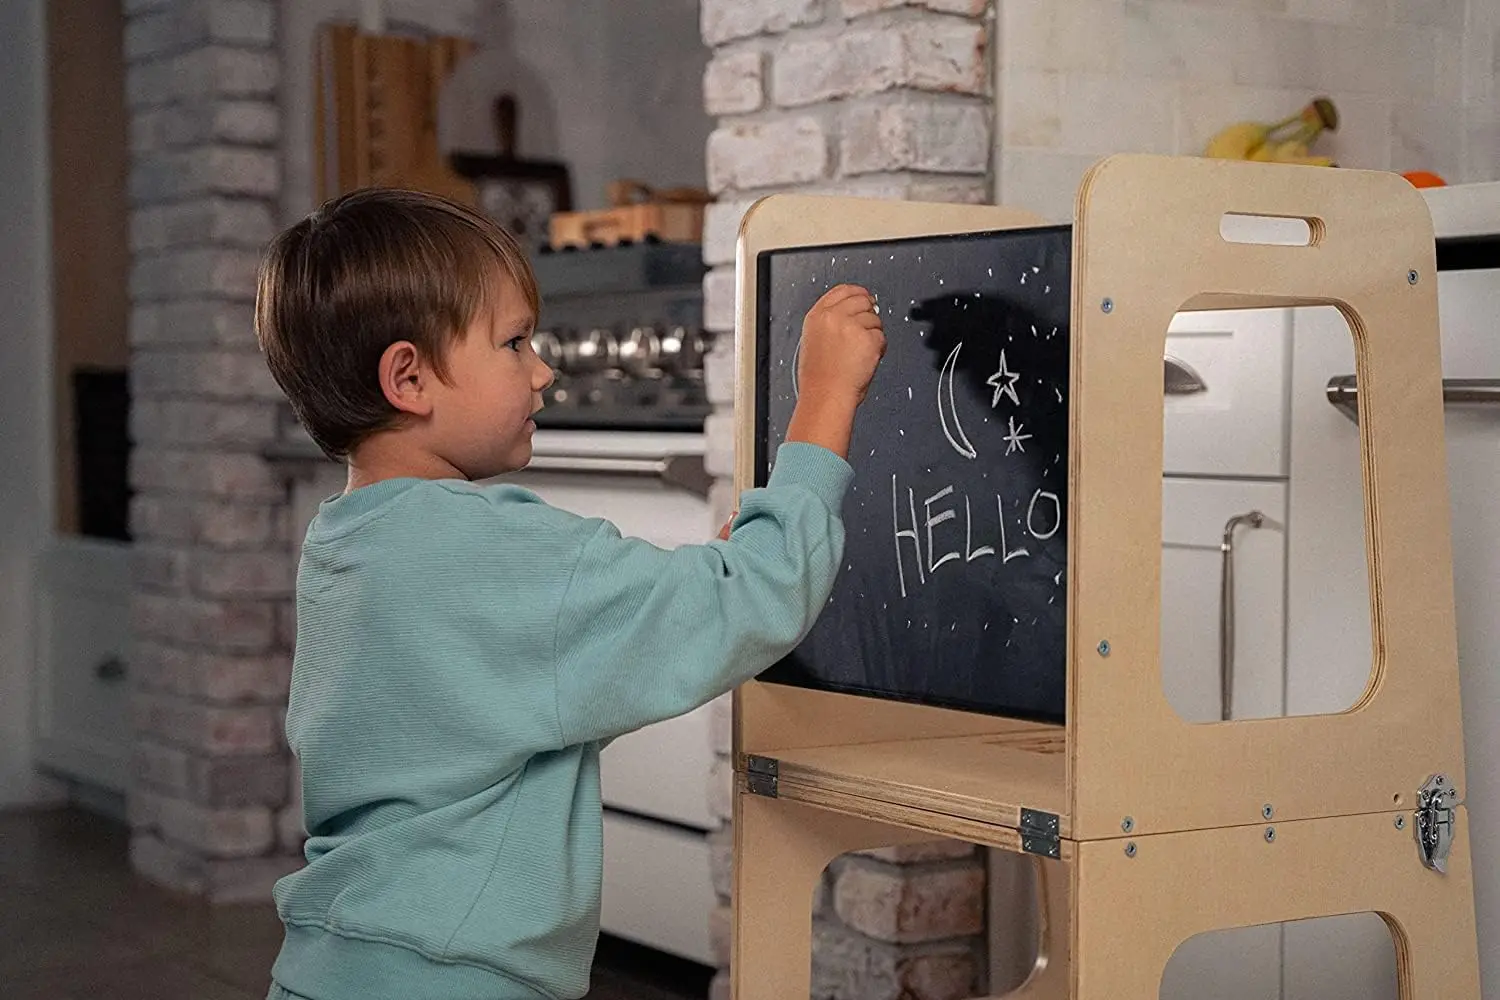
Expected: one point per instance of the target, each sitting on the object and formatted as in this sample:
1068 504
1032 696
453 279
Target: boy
464 650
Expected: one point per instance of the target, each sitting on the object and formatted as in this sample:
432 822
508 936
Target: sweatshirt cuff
814 468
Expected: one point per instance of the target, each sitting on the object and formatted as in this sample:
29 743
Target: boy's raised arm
644 634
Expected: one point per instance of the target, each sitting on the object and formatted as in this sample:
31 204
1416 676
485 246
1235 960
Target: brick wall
880 98
213 568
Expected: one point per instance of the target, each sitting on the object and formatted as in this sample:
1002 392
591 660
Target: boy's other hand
842 344
724 531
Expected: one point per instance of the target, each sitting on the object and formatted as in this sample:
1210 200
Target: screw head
1439 780
1412 277
1108 305
1103 647
1266 811
1127 824
1401 822
1130 849
1270 834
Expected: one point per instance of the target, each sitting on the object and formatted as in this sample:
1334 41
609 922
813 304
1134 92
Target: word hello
1043 518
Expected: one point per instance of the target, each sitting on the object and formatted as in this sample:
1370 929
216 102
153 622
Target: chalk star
1015 437
1009 389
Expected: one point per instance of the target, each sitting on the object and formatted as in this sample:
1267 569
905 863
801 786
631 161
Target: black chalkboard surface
953 589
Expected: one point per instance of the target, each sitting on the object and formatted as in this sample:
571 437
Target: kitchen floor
76 924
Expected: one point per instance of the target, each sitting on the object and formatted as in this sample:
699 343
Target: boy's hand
842 344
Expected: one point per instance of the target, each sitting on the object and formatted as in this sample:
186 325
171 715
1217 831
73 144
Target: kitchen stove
623 329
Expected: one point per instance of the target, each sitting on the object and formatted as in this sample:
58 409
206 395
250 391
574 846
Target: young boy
464 650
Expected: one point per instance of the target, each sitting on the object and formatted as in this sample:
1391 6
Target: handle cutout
1270 230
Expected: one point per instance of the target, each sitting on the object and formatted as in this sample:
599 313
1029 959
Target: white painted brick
236 222
243 476
286 624
719 300
720 933
221 374
249 122
719 372
243 626
958 190
211 523
723 501
204 675
209 729
244 574
725 20
194 273
1105 114
916 134
859 8
718 433
157 568
1176 42
767 154
925 904
193 322
212 781
181 26
1032 108
246 880
937 54
734 83
179 175
222 832
202 74
252 123
721 230
721 988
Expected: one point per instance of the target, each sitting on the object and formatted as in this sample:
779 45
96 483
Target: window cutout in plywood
1270 230
1264 592
1329 958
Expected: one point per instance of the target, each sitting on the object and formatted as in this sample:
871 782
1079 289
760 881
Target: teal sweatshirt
463 652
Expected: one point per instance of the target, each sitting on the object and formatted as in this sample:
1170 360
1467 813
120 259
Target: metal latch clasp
1039 833
1437 800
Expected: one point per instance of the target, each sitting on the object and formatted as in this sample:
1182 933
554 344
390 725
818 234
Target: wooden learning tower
1148 830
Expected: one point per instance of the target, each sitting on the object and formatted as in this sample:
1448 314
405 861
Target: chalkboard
953 589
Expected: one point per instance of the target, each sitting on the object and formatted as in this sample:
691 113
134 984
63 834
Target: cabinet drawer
657 887
83 639
1236 426
662 770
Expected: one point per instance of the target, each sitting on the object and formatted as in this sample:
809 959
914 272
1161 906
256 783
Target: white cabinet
83 644
1237 425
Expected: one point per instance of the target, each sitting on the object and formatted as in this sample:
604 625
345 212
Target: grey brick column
880 98
213 563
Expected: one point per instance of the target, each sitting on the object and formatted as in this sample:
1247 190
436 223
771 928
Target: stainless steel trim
1254 519
683 471
1343 393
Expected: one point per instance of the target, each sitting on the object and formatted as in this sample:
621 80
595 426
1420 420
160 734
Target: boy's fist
842 344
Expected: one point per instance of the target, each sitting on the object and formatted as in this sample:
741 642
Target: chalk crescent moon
956 436
796 360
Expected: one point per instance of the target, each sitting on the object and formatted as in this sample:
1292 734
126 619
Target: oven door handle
686 472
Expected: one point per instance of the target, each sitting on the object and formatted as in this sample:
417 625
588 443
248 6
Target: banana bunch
1285 141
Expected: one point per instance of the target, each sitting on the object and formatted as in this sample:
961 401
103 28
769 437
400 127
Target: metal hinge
1437 800
1039 833
761 775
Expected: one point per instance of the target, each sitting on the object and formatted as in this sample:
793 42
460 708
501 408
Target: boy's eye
515 343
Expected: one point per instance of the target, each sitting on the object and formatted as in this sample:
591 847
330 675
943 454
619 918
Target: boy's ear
405 380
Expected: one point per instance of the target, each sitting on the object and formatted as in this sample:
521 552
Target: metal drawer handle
683 471
1343 392
1254 519
110 669
1179 378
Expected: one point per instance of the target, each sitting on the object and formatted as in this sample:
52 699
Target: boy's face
482 423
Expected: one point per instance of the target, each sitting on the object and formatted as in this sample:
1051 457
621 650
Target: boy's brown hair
364 271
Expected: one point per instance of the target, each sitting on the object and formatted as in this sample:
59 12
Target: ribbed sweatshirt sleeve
645 634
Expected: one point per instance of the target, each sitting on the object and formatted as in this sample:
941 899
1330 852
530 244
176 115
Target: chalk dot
901 432
940 281
1035 269
992 272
